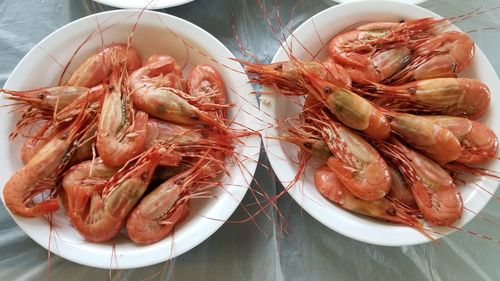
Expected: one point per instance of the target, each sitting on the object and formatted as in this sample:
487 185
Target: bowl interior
283 155
155 33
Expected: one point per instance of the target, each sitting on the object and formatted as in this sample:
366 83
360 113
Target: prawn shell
435 141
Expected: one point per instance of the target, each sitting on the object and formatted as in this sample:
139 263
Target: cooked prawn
449 96
329 185
99 66
435 192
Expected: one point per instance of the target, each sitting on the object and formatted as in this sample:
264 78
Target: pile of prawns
390 118
121 142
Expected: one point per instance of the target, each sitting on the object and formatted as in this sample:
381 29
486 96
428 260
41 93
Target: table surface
270 248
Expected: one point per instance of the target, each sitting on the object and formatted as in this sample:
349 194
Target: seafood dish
132 143
384 121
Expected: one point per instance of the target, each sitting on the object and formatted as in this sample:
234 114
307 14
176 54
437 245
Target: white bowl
414 2
143 4
154 35
281 155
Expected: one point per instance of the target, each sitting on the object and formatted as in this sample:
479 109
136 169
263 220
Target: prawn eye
401 20
307 145
194 116
41 96
391 212
327 90
278 67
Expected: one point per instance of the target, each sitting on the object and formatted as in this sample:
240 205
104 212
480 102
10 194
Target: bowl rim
277 157
231 201
153 5
412 2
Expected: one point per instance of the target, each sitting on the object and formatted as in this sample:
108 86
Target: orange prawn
478 142
329 185
285 75
380 66
162 102
433 140
206 84
443 55
122 131
357 164
400 190
43 170
99 66
157 214
449 96
435 192
50 98
350 47
349 108
99 209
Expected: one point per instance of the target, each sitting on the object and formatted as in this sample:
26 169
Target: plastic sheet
268 248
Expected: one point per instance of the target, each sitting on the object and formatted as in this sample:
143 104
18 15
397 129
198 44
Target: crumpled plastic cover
295 247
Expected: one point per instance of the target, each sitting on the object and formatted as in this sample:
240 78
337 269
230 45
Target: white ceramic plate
143 4
330 22
154 35
414 2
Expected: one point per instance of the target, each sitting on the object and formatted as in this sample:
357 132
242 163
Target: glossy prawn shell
146 223
21 186
449 96
358 113
57 97
456 96
110 204
443 55
350 109
80 182
144 231
329 185
86 172
157 96
46 164
33 144
357 164
97 67
160 71
170 133
284 76
435 141
436 195
341 46
400 189
459 51
157 213
86 149
115 142
336 73
479 143
204 80
380 66
206 83
377 50
164 104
